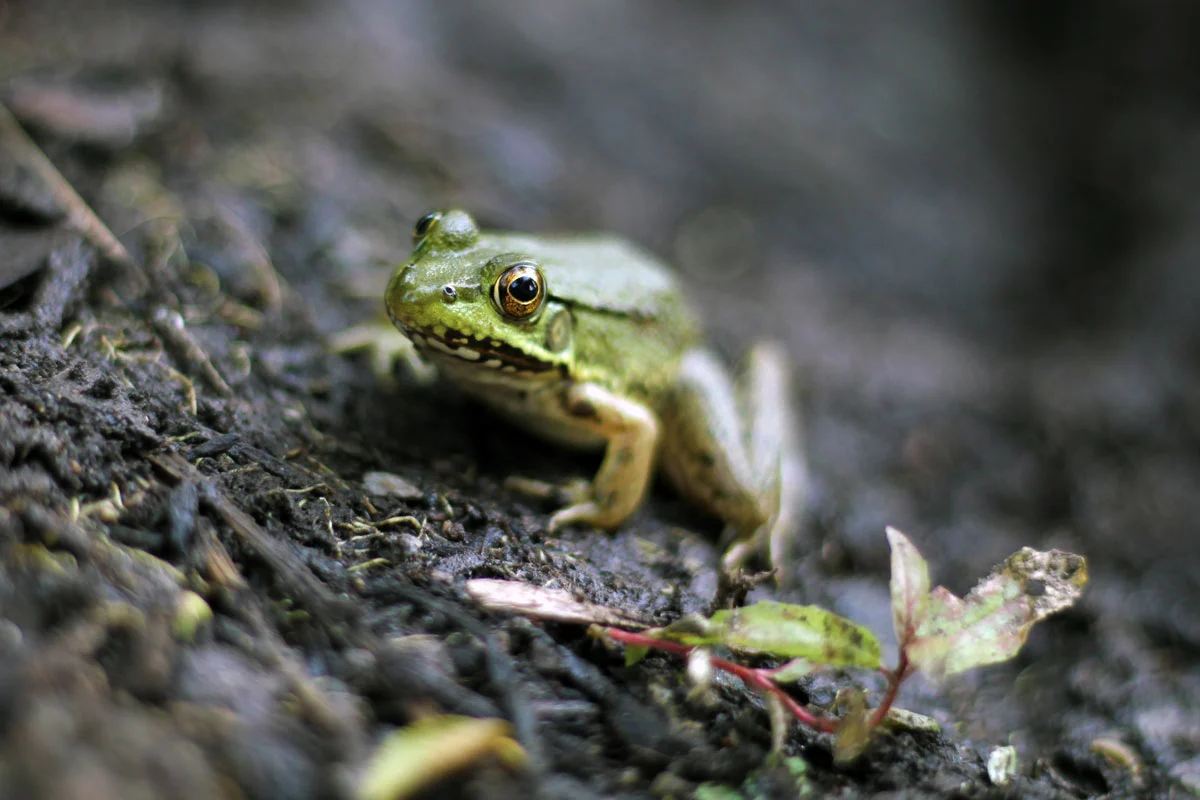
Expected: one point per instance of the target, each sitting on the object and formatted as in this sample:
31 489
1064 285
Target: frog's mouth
489 353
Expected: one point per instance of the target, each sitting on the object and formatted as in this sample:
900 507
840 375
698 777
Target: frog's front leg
734 448
632 432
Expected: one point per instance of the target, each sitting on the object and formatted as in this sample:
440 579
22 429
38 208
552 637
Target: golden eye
424 225
519 290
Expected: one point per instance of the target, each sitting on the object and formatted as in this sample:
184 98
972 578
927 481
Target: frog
588 341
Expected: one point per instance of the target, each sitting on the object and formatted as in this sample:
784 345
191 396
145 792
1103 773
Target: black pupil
523 289
423 225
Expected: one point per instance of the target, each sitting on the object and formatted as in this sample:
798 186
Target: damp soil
994 345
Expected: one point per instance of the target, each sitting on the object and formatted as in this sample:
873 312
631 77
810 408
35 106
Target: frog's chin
459 347
486 354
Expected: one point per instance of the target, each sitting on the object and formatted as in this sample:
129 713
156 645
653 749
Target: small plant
938 633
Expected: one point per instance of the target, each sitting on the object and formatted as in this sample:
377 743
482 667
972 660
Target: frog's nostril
449 294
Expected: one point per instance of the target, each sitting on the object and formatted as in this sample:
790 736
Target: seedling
938 633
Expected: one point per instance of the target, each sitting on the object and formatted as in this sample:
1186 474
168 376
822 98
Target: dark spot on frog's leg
1035 587
624 455
706 458
713 490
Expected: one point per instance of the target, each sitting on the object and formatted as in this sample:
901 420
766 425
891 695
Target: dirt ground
972 225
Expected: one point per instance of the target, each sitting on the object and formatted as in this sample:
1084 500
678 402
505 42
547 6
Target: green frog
588 341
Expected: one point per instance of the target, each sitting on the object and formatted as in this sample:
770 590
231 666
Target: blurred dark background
1021 172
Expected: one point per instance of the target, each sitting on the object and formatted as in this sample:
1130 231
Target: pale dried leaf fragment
411 758
901 719
1119 754
555 605
991 623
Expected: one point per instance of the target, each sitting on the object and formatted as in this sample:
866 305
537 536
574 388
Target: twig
303 586
169 325
79 214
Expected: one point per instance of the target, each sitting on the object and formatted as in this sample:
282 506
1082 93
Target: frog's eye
519 290
425 225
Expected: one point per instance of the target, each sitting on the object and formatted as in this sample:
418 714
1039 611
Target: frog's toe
771 542
775 537
739 553
589 513
574 491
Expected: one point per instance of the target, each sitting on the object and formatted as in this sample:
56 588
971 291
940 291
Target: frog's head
465 298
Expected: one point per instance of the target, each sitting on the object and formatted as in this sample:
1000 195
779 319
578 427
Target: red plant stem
757 678
895 677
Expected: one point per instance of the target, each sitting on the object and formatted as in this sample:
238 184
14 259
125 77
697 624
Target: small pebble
1002 765
386 484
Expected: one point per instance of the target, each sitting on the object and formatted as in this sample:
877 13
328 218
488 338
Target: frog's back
601 271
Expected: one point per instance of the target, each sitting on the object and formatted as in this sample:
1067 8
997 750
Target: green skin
607 354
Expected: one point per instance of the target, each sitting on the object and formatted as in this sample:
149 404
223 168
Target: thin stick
79 214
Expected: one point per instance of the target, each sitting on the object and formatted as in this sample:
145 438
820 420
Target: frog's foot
734 448
632 433
573 491
386 346
776 451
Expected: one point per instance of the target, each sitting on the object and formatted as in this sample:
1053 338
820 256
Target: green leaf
779 629
715 791
794 670
909 585
991 623
854 728
692 630
635 653
791 631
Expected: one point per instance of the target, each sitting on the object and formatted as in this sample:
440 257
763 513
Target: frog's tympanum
587 340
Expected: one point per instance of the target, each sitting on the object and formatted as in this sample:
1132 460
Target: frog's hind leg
735 448
776 449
